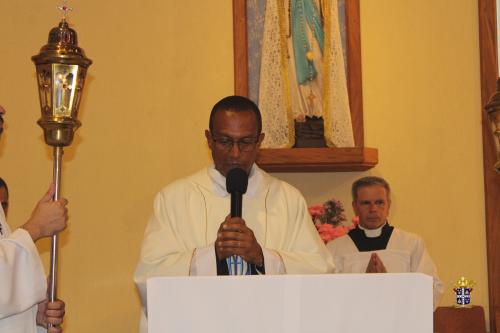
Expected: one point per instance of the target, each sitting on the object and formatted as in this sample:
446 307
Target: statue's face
372 206
233 131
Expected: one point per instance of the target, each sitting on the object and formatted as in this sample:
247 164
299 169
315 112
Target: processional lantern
493 109
61 68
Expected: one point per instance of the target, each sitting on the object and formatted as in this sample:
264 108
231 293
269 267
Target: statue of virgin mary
302 72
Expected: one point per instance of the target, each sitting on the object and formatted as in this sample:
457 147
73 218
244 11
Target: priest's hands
48 217
235 238
50 313
375 265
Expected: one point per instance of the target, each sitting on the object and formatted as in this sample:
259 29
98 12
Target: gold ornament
309 56
463 282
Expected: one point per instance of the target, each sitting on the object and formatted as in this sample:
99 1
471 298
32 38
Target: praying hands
235 238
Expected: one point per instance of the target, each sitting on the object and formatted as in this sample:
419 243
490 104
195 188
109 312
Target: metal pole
58 152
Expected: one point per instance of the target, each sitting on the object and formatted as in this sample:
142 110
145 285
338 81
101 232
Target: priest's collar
219 181
370 233
371 240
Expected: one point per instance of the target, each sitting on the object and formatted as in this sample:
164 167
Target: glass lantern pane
44 88
64 89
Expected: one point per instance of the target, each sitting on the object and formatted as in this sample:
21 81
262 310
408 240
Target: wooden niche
356 158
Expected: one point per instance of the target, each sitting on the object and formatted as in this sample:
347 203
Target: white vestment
404 253
22 281
179 238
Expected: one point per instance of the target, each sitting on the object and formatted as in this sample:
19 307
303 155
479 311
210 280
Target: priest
191 232
23 285
375 246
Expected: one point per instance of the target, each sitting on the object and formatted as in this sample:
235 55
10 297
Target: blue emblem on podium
462 289
463 296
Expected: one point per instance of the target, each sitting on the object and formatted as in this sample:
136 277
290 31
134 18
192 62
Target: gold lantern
61 68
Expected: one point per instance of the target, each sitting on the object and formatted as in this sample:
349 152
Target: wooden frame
489 75
312 159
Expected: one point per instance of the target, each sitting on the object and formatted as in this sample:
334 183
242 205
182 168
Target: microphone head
237 181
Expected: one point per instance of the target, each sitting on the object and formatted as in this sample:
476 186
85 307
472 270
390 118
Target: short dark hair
4 184
236 104
369 181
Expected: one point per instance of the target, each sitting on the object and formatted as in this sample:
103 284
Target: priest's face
372 206
234 141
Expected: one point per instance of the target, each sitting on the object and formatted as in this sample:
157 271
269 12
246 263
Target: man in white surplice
190 232
23 285
374 246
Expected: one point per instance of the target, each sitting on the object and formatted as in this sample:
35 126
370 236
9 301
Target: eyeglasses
244 144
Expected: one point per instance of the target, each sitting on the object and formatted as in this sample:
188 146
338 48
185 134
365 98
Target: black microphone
236 184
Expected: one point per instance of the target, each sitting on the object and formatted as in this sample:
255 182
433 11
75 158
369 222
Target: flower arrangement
329 218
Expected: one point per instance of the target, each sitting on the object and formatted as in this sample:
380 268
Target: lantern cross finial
65 8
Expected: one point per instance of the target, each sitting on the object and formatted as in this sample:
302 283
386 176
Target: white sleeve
303 251
21 274
273 263
332 247
163 251
204 262
422 262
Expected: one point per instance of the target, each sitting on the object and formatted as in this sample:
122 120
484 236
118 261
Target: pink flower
328 232
316 211
328 218
341 231
325 232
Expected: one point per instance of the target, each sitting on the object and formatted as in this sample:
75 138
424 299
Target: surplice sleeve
22 276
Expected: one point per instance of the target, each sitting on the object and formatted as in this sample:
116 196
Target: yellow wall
158 68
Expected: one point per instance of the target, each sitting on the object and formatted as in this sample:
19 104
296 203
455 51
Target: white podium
343 303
